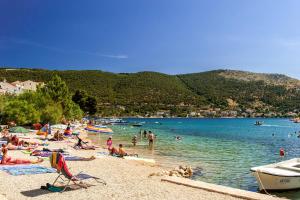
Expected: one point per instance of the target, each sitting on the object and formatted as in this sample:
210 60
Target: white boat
284 175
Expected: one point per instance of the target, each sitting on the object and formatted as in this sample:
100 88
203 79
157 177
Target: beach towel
17 170
26 151
75 158
45 152
101 154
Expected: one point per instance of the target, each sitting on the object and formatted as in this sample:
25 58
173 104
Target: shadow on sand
39 192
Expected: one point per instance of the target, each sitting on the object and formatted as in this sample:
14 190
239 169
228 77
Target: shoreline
125 179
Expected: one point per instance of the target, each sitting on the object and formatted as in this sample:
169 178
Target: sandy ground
125 180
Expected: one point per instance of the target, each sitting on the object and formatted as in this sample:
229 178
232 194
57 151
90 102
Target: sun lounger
58 162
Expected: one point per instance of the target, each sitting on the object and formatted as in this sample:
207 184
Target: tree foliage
51 103
87 103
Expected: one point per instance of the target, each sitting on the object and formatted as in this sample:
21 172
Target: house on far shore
8 88
27 85
18 87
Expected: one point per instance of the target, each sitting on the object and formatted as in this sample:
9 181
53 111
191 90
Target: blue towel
17 170
83 176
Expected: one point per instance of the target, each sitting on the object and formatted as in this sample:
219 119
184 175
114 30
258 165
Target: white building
27 85
18 87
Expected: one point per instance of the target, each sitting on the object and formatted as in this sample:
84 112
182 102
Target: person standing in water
145 133
281 152
151 139
134 140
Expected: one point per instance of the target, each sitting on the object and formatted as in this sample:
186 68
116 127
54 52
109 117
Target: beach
125 179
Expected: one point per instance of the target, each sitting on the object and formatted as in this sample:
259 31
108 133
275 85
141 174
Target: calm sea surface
225 149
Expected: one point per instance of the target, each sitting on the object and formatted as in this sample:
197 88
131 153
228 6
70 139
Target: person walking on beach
151 139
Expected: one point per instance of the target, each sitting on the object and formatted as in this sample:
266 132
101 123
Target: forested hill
214 93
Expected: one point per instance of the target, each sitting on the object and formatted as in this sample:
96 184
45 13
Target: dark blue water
225 149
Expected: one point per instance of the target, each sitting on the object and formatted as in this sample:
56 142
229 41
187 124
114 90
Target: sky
168 36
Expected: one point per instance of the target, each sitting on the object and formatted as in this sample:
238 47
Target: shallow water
225 149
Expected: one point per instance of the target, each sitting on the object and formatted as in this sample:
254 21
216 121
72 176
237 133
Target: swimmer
178 138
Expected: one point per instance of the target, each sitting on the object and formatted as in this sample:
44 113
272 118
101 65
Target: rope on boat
263 185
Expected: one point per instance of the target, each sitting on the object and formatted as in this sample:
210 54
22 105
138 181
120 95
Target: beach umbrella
18 129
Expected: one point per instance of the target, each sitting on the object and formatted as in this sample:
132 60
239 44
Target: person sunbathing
120 152
113 151
57 137
7 160
5 133
15 143
83 145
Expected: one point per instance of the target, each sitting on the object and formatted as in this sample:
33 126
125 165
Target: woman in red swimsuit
7 160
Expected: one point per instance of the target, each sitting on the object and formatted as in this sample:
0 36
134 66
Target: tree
87 103
57 89
21 112
52 113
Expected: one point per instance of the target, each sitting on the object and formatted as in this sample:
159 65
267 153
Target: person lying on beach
80 144
7 160
5 132
57 137
14 147
14 143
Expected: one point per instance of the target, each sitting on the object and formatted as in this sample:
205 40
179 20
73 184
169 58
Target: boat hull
274 182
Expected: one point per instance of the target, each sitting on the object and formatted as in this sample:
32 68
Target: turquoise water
225 149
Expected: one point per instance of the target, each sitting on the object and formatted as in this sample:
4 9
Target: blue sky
169 36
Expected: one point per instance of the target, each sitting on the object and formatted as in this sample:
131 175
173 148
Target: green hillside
206 94
261 92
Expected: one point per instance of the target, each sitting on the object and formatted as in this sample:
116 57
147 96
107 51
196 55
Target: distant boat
137 124
95 129
117 122
284 175
258 123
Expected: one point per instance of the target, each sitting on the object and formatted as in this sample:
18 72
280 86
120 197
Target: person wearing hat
109 143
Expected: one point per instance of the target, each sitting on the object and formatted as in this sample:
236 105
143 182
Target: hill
213 93
240 91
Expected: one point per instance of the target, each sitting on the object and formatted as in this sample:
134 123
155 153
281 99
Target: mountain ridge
239 93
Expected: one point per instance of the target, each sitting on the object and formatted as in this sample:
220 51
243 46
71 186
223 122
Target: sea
221 151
